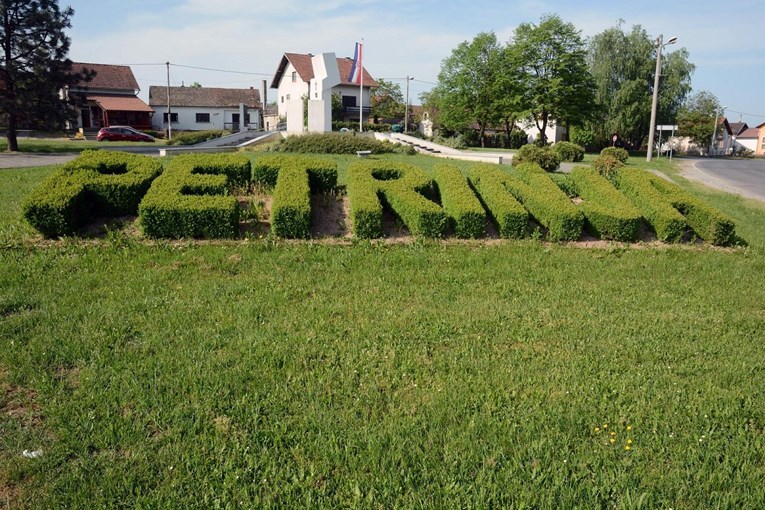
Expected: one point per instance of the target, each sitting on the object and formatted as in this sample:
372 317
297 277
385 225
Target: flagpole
361 87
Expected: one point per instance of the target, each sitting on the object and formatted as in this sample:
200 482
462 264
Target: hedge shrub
665 220
545 157
609 214
607 165
467 216
707 222
546 203
617 152
568 151
96 183
195 137
508 215
339 143
322 172
401 185
191 199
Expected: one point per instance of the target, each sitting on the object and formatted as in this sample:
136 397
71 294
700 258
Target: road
745 177
27 159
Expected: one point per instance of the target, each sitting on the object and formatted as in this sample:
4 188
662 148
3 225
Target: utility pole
712 146
169 117
659 46
406 113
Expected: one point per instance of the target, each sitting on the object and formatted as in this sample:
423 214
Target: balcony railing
354 110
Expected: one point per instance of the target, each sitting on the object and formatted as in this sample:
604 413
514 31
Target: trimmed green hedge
616 152
466 214
660 198
402 186
195 137
339 143
96 183
191 198
547 158
321 172
568 151
546 203
508 215
609 214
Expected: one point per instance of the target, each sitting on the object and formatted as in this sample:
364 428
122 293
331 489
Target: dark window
294 76
349 101
173 117
203 117
235 118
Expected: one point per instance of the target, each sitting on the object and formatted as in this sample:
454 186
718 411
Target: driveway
745 177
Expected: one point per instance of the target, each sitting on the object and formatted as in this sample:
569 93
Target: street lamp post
406 113
659 46
714 131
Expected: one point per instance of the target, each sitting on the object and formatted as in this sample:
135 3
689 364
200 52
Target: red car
122 134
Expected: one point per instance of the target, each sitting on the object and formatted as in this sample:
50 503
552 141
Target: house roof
122 104
738 127
749 133
107 76
204 97
304 67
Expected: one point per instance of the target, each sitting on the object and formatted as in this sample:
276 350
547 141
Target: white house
293 81
204 108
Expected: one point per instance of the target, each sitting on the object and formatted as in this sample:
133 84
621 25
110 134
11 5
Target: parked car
122 134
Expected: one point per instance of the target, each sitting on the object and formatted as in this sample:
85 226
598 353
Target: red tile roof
205 97
304 67
123 104
107 76
750 133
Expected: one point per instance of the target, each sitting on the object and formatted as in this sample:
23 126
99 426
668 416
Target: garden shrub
195 137
401 185
568 151
650 191
665 220
322 172
339 143
354 126
546 202
609 214
545 157
96 183
467 216
191 198
617 152
607 165
508 215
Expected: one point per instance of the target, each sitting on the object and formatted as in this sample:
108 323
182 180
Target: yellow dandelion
612 440
605 425
613 433
629 427
628 448
629 441
597 429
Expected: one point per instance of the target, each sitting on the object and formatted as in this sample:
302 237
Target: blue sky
402 37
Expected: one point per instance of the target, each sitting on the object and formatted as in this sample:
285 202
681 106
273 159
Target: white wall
290 91
220 118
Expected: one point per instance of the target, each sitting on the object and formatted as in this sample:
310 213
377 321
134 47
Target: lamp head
672 40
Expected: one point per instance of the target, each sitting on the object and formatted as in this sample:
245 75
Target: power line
744 113
220 70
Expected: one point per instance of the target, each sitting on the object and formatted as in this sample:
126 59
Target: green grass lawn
263 374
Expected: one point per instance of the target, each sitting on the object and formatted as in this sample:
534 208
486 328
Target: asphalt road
744 177
27 159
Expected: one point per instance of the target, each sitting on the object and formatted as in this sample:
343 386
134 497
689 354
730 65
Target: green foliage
102 183
508 215
546 202
568 151
195 137
291 206
191 199
466 214
696 119
608 213
607 165
665 220
617 153
354 126
322 173
518 138
387 100
402 186
545 157
338 143
582 135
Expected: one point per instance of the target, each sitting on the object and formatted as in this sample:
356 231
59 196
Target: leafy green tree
387 100
33 64
554 73
196 85
468 83
623 64
696 119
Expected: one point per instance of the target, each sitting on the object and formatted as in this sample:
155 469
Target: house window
288 97
294 76
282 99
173 117
203 117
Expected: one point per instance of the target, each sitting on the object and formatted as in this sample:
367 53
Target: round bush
545 157
339 143
606 165
616 152
569 151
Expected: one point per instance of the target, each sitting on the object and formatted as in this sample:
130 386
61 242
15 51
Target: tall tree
697 116
387 100
623 64
33 64
554 72
467 84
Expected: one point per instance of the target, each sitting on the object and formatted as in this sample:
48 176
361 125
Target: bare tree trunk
483 129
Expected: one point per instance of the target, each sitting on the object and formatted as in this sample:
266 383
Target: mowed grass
58 145
263 374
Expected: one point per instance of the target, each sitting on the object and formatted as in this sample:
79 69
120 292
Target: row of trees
548 71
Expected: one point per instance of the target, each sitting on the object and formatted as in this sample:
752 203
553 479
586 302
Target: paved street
27 159
744 177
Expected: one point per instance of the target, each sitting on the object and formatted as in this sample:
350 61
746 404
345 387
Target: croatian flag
356 68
